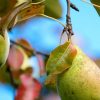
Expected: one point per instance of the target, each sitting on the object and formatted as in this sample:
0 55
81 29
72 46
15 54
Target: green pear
81 81
4 49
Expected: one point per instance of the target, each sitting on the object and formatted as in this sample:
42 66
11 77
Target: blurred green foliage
97 2
52 8
6 6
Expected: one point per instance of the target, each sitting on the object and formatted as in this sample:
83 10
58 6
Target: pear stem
68 29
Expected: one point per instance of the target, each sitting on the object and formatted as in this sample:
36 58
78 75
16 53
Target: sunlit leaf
60 60
21 1
31 10
97 2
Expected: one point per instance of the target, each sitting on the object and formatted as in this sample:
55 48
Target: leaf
27 12
19 55
26 44
31 10
21 1
53 8
30 88
15 58
97 2
60 60
6 6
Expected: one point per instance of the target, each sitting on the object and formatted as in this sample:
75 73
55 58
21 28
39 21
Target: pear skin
81 81
3 51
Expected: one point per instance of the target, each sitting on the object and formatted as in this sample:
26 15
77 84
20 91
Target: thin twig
68 8
68 18
68 28
33 52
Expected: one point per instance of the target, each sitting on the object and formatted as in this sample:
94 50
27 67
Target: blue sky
6 92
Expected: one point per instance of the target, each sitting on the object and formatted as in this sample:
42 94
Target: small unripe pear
4 49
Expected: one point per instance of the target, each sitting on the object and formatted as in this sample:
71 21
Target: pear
80 81
4 49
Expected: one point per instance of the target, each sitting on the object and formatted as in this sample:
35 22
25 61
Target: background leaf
53 8
98 3
6 6
29 88
31 10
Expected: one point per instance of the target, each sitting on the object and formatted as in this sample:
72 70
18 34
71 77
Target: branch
33 52
68 28
68 8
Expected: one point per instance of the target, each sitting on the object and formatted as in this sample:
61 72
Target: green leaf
31 10
60 60
4 75
53 8
97 2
